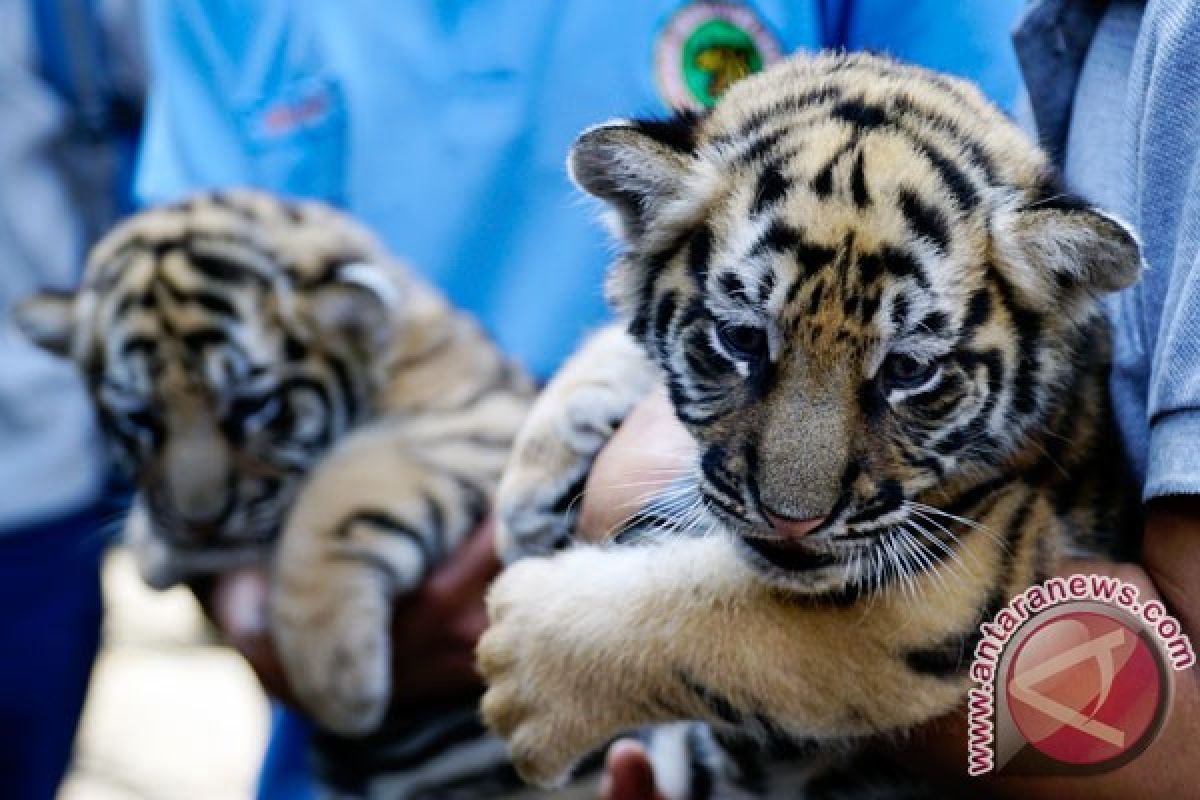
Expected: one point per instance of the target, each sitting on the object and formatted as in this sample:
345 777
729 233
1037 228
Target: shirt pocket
296 139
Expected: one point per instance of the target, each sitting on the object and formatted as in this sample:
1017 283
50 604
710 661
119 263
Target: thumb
628 773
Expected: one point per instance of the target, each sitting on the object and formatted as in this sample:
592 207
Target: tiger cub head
861 282
227 342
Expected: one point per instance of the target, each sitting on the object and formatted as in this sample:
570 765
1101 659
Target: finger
1125 572
628 773
650 449
239 603
239 608
471 568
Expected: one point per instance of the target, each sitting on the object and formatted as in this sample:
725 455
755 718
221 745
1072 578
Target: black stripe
677 132
1028 329
705 362
954 178
782 108
565 502
139 344
212 302
198 340
858 183
731 284
699 252
652 267
979 309
663 314
975 150
901 264
345 376
700 775
766 285
789 558
769 188
924 219
860 114
777 238
214 268
717 705
385 522
761 146
822 182
712 464
813 257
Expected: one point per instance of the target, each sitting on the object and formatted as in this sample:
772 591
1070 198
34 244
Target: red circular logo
1086 688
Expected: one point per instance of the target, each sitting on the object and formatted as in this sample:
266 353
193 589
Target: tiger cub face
226 343
862 287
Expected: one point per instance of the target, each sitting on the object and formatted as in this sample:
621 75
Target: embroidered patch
705 47
303 105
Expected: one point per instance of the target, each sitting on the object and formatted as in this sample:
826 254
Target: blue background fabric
444 124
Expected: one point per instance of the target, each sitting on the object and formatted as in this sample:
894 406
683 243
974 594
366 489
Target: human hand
648 451
1167 769
628 773
434 630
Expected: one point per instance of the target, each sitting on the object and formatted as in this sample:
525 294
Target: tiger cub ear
361 302
635 166
1067 243
48 320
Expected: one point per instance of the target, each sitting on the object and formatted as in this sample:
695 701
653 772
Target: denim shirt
1153 164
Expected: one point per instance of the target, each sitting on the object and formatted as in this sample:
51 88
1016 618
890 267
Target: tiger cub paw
550 710
333 637
573 418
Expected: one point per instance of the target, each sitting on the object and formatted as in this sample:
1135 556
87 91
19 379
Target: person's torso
63 183
445 126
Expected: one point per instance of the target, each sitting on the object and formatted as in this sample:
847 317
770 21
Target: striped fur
870 305
286 392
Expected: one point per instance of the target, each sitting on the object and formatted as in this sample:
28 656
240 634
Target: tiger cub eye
905 372
743 341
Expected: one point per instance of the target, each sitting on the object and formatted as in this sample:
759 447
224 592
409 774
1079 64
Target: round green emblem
706 47
715 56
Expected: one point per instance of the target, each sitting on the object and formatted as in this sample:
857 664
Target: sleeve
1173 408
1166 213
972 39
191 139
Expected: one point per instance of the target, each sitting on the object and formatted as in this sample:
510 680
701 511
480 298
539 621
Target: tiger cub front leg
573 418
596 641
371 522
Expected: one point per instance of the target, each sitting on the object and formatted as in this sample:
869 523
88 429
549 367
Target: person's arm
1168 769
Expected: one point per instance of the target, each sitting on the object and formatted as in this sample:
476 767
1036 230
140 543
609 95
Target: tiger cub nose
791 528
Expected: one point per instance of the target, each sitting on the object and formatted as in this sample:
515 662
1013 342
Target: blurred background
172 714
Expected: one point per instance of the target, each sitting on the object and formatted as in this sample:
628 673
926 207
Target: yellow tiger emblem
876 315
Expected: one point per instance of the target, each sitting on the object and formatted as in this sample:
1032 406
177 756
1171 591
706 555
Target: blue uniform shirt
445 124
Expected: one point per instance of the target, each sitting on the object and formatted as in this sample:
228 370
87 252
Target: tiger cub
876 316
286 392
